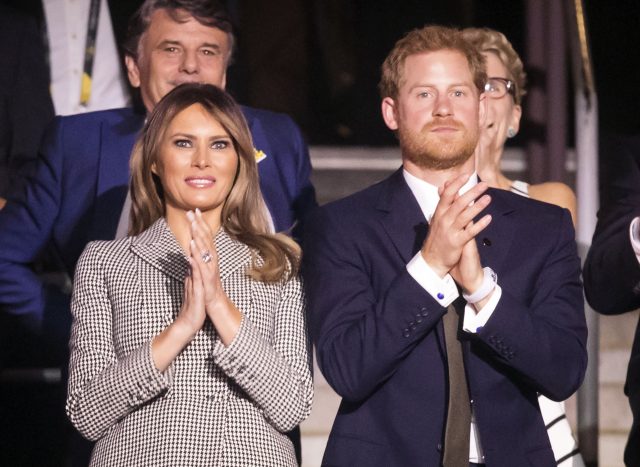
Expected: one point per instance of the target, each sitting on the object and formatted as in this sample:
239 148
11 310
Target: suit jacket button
439 447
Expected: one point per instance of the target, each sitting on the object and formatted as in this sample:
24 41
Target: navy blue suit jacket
380 342
78 192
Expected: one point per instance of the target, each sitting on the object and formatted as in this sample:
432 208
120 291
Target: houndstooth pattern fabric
215 405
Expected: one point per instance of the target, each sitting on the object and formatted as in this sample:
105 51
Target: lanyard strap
89 52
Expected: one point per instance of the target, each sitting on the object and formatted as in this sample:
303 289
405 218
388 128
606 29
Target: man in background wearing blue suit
442 307
79 190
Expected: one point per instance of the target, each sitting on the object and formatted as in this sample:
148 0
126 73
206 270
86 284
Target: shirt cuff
634 235
473 321
443 290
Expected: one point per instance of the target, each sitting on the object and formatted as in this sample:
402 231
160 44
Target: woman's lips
200 182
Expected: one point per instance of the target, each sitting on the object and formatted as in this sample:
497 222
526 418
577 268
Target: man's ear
133 73
389 113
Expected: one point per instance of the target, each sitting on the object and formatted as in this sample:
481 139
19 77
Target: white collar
427 194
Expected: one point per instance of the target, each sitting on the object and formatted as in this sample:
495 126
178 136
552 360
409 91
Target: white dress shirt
67 34
427 196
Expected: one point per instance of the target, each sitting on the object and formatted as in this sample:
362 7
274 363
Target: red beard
432 151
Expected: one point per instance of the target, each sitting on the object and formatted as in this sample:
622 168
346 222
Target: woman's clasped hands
204 295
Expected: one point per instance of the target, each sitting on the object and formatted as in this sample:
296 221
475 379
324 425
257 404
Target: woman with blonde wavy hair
188 344
504 90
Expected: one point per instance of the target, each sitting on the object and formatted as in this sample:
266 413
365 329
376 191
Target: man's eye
208 52
424 94
171 49
458 93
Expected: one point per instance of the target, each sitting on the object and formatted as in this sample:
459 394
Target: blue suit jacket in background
380 341
78 192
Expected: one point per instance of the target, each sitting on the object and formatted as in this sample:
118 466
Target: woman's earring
511 132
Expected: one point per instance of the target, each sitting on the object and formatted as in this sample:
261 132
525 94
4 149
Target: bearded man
442 308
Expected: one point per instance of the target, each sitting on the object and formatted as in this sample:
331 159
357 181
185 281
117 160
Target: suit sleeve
361 335
26 226
611 270
103 389
276 374
543 338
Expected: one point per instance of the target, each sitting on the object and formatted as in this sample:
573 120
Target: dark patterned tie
456 438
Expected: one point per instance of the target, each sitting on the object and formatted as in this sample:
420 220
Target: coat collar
407 228
159 247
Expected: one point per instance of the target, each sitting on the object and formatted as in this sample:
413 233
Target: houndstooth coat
215 405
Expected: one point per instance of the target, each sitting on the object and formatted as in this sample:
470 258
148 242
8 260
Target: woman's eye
183 143
220 145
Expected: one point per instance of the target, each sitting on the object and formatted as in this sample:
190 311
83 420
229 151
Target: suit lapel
401 217
114 151
495 241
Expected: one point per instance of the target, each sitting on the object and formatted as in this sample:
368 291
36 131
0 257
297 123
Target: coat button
439 447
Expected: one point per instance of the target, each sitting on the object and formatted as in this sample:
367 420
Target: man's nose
189 62
442 107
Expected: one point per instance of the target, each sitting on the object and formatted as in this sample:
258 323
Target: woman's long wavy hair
244 211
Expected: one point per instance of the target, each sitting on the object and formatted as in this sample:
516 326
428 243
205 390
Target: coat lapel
158 246
114 151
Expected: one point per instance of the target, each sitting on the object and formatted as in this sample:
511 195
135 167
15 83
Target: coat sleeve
362 334
103 389
276 374
543 337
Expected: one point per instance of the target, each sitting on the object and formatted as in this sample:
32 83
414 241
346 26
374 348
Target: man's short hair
210 13
429 39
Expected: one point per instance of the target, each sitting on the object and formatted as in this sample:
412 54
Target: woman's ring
206 257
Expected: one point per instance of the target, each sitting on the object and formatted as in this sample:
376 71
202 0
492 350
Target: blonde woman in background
504 90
